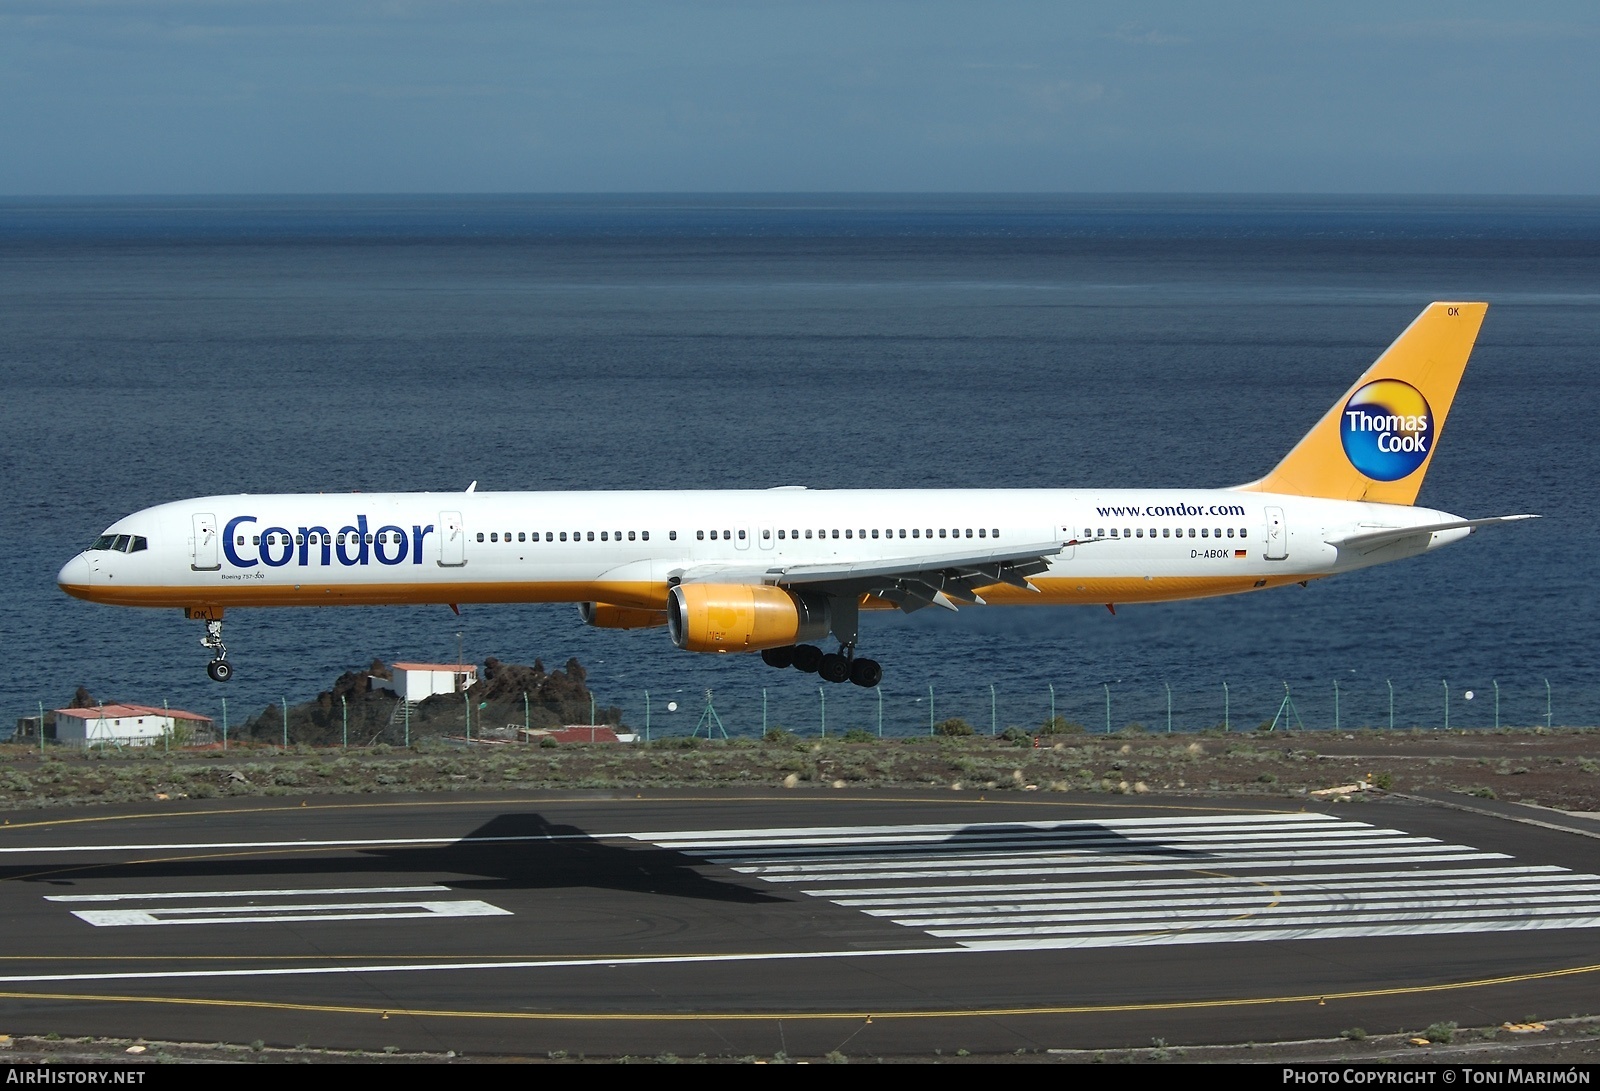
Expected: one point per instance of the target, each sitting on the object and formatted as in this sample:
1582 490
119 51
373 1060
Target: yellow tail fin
1378 439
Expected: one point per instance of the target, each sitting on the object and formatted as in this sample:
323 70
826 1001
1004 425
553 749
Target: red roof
117 712
453 668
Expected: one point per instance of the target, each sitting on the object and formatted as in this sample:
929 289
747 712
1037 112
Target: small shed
419 681
128 725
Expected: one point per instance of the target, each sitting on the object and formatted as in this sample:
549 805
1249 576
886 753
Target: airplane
776 571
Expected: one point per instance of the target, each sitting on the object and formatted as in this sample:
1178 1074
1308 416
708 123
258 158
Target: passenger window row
495 536
314 538
1165 532
915 532
562 536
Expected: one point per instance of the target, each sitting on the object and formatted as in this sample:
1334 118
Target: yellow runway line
816 1016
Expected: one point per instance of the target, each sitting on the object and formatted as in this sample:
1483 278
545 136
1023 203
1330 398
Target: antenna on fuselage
472 487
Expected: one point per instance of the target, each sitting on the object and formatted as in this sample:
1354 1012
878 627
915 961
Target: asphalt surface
724 924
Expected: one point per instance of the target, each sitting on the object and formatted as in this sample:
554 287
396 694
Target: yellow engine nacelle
603 615
737 617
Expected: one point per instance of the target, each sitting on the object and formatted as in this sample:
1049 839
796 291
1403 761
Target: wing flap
911 583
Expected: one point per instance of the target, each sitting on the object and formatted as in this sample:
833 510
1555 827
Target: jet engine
603 615
711 617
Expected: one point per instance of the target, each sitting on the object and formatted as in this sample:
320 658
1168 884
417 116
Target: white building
127 725
419 681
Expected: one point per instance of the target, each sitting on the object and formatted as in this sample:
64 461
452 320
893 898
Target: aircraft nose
74 574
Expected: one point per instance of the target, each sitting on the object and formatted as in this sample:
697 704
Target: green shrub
778 735
954 727
856 734
1440 1032
1017 736
1060 725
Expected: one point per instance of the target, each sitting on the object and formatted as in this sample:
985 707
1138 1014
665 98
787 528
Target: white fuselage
624 548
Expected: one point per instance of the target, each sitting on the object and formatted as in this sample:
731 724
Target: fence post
284 701
822 697
224 723
1052 686
1336 704
1547 723
1390 684
466 706
591 714
1497 705
1107 687
166 736
41 729
930 713
879 691
1226 726
527 721
1169 708
1446 686
763 712
994 722
646 715
344 717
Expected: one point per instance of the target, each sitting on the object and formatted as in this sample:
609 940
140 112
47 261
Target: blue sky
239 96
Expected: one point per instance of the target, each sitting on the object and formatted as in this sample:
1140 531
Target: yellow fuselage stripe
644 595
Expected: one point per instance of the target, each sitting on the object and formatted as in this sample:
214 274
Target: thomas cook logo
1387 429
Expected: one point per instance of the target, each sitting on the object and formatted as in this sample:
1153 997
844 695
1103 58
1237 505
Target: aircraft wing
909 582
1369 540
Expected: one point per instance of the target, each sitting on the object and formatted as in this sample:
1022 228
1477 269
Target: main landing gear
840 666
219 668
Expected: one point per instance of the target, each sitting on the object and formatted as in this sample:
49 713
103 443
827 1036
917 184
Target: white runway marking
278 914
269 906
298 892
1128 882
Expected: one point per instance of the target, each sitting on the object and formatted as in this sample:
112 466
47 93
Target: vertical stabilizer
1377 441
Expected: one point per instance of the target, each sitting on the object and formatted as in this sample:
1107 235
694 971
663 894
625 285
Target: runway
874 924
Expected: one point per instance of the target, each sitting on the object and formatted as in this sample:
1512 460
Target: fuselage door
741 538
766 537
452 540
1277 535
204 544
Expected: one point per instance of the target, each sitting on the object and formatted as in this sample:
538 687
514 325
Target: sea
153 349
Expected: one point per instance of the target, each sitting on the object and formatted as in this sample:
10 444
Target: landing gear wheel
807 658
219 668
866 673
779 657
834 668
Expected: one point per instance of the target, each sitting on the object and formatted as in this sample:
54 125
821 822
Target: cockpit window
122 543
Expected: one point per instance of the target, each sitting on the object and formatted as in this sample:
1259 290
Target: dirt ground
1557 1042
1559 768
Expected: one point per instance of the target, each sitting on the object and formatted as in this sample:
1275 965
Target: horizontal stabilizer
1375 539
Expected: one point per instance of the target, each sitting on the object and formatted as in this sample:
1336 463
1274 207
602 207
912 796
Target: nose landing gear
219 668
